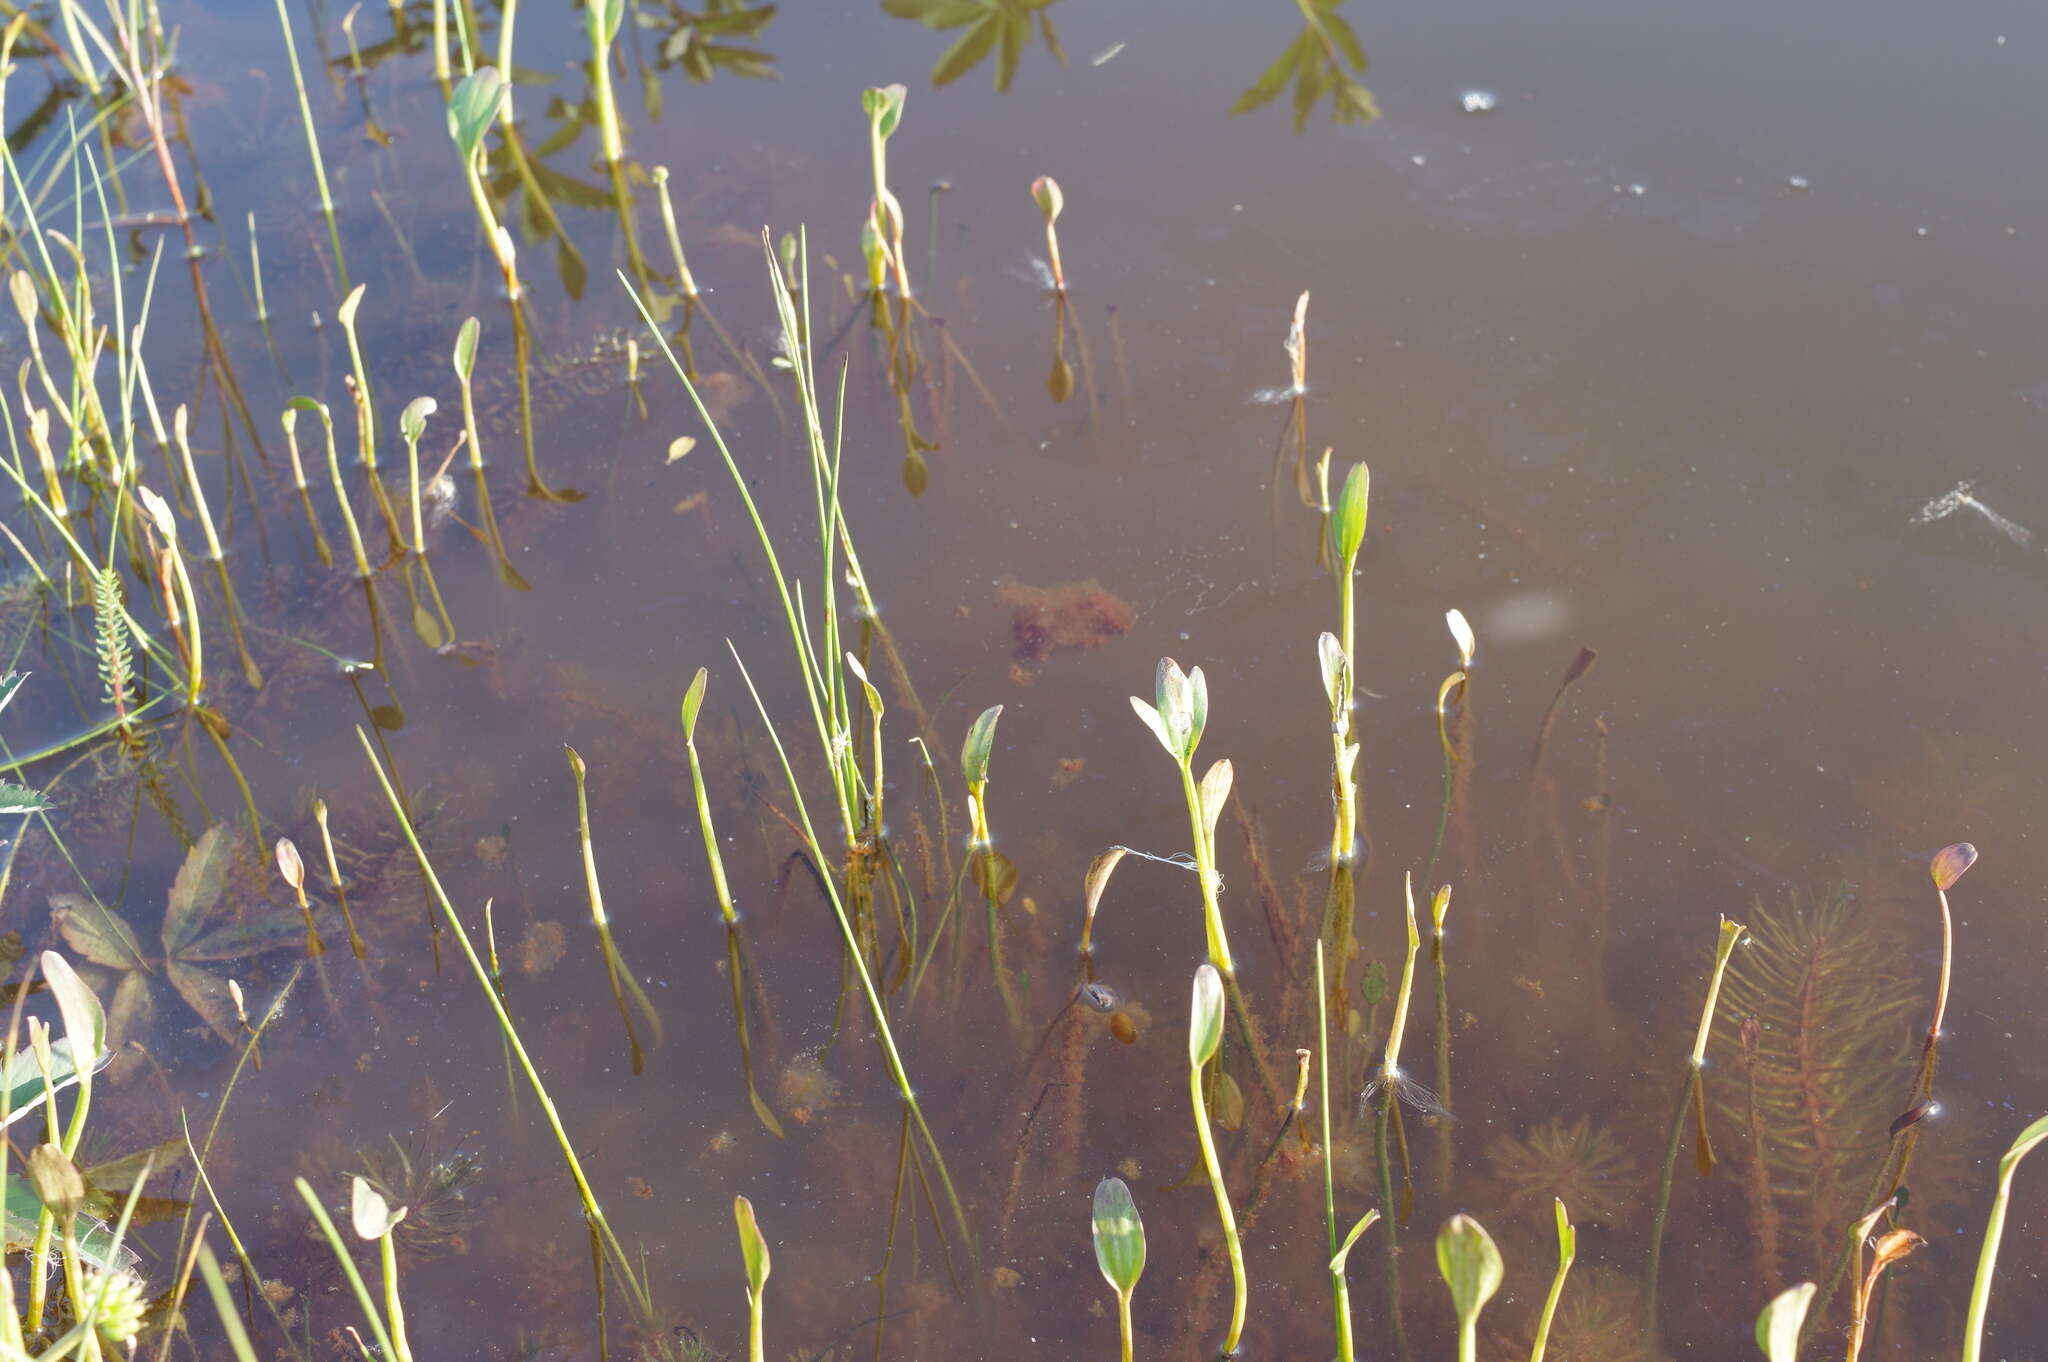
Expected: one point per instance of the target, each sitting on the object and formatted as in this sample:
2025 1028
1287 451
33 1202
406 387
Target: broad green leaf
96 933
1158 726
1205 1016
23 1079
1777 1328
968 50
465 348
474 107
20 799
1470 1263
981 738
1119 1236
1213 794
10 683
85 1021
1016 29
693 701
1268 86
1339 29
198 887
1348 516
96 1246
753 1247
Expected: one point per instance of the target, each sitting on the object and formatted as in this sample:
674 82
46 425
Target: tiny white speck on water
1419 159
1798 182
1919 231
1479 101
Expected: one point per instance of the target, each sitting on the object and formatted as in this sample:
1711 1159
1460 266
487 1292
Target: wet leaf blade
198 887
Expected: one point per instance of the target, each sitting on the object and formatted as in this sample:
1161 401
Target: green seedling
1567 1251
290 421
366 402
374 1220
617 974
348 514
465 371
471 110
171 565
754 1253
1394 1088
1471 1267
1119 1249
1177 716
412 424
355 940
693 704
1779 1323
884 108
1340 1253
250 671
1045 192
293 869
1692 1099
1994 1231
1205 1036
974 758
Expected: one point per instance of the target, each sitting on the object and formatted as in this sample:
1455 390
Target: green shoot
1994 1230
412 424
754 1252
1205 1036
1119 1249
374 1220
1045 192
1471 1266
1778 1325
1567 1251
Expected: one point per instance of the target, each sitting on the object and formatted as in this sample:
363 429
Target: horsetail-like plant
348 514
754 1254
471 111
693 703
1119 1249
1994 1231
1779 1323
1567 1251
1045 192
1692 1099
617 974
1205 1036
412 424
374 1219
1471 1267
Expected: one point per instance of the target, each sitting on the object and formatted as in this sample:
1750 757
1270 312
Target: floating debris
1798 182
1070 615
1479 101
1106 54
1418 159
1959 497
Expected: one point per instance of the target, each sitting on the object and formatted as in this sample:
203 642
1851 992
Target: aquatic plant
1810 1079
1340 1253
1119 1236
1994 1233
1045 192
1778 1324
1472 1268
1567 1250
1317 63
374 1219
1205 1036
1000 26
471 110
754 1253
1581 1164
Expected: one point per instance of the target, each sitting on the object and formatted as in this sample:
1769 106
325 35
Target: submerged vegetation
919 934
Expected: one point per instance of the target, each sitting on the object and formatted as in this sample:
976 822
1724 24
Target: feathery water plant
1205 1036
1471 1267
754 1253
1119 1249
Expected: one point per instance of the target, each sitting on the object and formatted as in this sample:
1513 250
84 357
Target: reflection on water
1661 425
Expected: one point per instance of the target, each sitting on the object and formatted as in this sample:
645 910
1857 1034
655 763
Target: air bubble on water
1798 182
1919 231
1419 159
1479 101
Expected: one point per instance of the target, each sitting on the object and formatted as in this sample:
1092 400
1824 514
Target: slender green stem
1223 1211
1340 1287
348 1266
1994 1231
400 1347
313 145
1123 1322
1205 871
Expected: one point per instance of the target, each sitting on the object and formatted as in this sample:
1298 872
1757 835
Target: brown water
1662 357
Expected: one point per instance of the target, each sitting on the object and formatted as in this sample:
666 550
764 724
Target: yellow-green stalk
374 1219
355 940
1205 1035
290 420
1567 1251
412 424
348 515
754 1253
1340 1253
465 369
